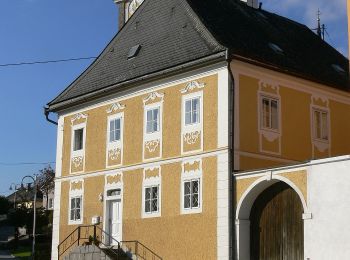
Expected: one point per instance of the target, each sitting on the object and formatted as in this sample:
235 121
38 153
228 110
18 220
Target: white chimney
253 3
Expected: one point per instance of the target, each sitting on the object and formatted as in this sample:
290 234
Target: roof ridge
201 27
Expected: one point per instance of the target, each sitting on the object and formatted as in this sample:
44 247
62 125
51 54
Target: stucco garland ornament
191 86
114 154
77 161
79 116
152 145
115 107
191 138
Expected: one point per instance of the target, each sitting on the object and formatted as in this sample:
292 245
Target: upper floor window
320 122
192 111
152 120
78 139
114 130
269 113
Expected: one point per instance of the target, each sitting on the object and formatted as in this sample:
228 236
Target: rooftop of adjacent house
167 34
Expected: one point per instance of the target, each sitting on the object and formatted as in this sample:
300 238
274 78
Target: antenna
320 28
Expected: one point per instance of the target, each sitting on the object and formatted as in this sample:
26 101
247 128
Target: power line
45 62
26 163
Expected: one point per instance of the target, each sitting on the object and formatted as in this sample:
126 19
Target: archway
245 204
276 225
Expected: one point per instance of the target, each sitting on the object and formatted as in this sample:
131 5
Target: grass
22 252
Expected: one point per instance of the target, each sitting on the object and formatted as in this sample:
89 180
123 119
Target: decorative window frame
192 129
155 136
270 134
117 145
113 186
152 181
188 176
321 144
75 194
80 154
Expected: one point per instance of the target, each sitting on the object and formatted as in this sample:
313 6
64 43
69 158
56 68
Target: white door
115 220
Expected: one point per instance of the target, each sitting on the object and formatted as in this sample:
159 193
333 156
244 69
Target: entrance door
277 231
115 220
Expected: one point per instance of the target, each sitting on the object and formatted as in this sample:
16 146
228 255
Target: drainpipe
47 113
231 155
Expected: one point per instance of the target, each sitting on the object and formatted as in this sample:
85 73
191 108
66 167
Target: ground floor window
191 194
75 208
152 199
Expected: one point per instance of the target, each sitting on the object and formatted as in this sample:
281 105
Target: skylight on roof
134 51
276 48
338 68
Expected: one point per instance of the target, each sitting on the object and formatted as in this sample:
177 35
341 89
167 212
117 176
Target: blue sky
33 30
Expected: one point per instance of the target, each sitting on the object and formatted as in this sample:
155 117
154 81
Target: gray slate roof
176 32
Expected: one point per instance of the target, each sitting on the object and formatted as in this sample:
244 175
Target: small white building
321 209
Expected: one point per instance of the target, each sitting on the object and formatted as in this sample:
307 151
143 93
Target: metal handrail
154 255
144 249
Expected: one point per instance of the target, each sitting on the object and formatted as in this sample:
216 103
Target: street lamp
13 186
34 217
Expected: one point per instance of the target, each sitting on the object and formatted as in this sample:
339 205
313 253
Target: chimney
121 12
252 3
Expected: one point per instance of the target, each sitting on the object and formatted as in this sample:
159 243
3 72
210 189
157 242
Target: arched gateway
269 221
276 225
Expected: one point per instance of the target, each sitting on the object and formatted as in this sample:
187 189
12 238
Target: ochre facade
137 161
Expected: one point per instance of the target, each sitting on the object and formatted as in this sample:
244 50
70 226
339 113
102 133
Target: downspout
231 118
47 113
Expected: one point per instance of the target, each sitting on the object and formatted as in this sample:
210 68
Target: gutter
47 113
126 84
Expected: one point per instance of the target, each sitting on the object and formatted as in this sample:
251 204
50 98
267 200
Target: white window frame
152 109
190 128
78 152
147 183
270 98
191 176
115 144
314 126
154 135
191 193
76 194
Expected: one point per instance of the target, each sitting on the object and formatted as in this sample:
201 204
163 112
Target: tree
46 181
4 205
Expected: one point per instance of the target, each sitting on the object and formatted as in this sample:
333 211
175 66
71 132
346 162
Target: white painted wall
327 234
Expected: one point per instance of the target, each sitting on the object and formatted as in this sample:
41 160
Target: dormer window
277 49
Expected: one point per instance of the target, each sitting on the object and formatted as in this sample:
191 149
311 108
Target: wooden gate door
277 228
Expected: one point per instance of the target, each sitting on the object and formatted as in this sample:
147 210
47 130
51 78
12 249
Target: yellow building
150 134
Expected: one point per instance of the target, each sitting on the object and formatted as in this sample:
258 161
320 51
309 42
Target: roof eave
115 88
289 72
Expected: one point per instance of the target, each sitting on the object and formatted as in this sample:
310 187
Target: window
320 124
50 203
269 113
75 208
114 130
152 120
78 139
192 111
152 199
191 194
